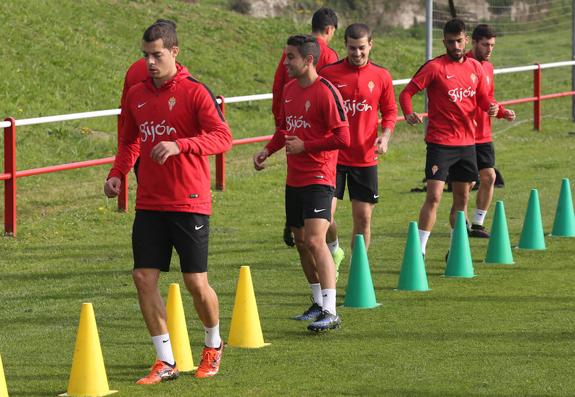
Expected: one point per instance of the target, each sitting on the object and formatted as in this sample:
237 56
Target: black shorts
307 202
459 162
485 155
361 183
155 233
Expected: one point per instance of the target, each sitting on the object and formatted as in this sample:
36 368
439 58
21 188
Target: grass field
509 331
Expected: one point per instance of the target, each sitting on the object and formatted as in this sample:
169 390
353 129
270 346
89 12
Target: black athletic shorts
485 155
307 202
361 183
155 233
459 162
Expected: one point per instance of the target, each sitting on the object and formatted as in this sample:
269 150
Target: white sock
163 347
423 237
479 216
212 337
316 293
333 246
329 300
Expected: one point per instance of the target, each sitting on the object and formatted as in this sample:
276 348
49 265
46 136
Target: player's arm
502 113
406 104
276 143
277 90
388 110
216 137
338 138
484 100
128 151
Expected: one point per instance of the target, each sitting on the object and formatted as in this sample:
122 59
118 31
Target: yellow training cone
245 330
3 388
178 330
88 376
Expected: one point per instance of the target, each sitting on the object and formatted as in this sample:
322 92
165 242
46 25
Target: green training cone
412 276
459 263
564 224
532 236
499 247
359 292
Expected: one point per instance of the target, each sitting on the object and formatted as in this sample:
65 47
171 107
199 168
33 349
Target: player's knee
487 178
314 243
299 242
143 280
362 222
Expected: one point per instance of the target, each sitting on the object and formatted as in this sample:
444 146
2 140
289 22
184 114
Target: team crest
371 85
307 105
434 169
473 77
172 103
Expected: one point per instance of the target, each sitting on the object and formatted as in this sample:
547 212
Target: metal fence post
220 158
537 94
10 184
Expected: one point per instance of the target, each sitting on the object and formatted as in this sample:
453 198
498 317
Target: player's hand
294 145
259 159
493 109
509 115
112 187
163 150
413 119
381 144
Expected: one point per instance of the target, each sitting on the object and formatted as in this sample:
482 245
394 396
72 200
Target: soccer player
174 122
323 26
456 86
482 42
366 89
314 126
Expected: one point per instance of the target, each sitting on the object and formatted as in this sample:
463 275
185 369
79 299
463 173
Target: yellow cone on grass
3 388
245 330
178 330
88 376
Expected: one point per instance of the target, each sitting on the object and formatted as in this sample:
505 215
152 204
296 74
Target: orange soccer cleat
210 363
160 372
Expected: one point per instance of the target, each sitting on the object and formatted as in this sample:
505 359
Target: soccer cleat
288 236
312 313
478 231
337 256
210 362
325 321
160 372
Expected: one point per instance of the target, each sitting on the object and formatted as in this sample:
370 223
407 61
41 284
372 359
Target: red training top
365 90
327 55
454 90
183 111
482 119
316 115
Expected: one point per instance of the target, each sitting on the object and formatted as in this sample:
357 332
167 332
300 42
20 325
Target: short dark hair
306 45
357 31
454 26
323 18
483 31
165 30
168 21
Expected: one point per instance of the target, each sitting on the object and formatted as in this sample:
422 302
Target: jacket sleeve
280 80
338 139
483 94
387 105
216 136
405 97
128 146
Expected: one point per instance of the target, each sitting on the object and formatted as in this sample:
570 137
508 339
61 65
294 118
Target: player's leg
361 213
460 199
331 237
485 164
190 233
152 253
364 194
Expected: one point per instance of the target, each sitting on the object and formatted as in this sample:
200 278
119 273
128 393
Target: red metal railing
10 174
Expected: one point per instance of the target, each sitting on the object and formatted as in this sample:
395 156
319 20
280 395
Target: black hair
483 31
454 26
323 18
357 31
162 29
306 45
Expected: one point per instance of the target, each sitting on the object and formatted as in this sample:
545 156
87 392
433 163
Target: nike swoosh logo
165 341
198 227
341 85
320 210
376 196
141 105
289 100
450 76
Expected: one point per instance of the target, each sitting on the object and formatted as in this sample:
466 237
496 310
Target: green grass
509 331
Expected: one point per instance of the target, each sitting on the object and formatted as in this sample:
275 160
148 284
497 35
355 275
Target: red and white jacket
183 110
